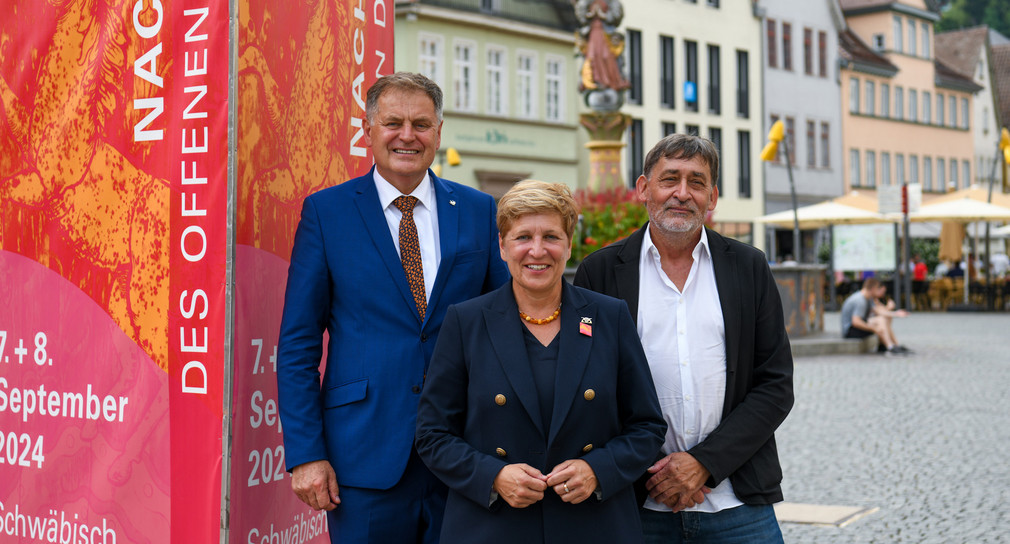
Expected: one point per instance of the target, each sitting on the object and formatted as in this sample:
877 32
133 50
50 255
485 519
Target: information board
864 247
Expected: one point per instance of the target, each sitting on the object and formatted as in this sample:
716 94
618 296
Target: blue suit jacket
346 279
605 412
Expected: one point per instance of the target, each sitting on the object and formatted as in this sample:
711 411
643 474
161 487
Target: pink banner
303 75
197 139
113 218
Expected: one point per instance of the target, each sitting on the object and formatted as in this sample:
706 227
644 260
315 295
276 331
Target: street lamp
1002 146
450 155
776 135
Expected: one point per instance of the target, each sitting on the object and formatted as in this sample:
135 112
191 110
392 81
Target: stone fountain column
606 133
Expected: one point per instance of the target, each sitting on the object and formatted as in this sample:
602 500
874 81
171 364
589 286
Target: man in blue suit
376 262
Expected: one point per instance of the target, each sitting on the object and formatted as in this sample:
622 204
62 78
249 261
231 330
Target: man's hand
678 481
520 485
573 480
315 484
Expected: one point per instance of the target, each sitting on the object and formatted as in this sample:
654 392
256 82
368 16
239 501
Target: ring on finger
566 488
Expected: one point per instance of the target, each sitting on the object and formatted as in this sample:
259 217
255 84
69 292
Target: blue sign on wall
690 92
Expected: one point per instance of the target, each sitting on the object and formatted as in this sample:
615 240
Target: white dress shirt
425 218
684 338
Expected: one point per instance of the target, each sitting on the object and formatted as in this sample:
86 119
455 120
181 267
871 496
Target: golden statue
600 43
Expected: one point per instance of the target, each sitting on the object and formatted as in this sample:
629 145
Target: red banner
197 139
302 79
113 238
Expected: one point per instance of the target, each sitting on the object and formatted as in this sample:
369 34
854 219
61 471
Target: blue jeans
741 525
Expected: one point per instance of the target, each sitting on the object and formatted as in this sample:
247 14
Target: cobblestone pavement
926 438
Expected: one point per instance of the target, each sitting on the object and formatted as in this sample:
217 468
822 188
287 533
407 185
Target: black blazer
759 363
479 411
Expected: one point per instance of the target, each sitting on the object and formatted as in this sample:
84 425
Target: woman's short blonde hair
529 197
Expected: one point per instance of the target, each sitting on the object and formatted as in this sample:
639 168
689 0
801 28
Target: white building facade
694 67
801 88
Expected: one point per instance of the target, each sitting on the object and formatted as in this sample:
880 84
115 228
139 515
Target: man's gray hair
403 81
684 146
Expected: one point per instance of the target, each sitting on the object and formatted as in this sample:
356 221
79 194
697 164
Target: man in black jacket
710 318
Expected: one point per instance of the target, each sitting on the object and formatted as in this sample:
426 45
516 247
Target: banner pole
229 336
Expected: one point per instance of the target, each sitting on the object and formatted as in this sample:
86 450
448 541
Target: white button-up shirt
425 218
684 338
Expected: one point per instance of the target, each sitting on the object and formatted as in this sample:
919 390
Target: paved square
926 437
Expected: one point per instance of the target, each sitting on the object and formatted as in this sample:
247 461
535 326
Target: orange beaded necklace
543 321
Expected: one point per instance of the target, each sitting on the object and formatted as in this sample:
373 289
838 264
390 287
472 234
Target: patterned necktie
410 252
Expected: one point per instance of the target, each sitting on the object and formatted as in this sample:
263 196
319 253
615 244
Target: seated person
863 314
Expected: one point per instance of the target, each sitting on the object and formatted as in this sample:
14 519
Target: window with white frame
430 56
496 81
822 53
941 175
939 109
952 110
953 173
811 144
787 46
825 145
853 95
554 94
913 169
927 173
885 168
925 41
899 102
912 37
913 105
743 170
879 43
966 173
854 172
885 100
871 168
791 139
667 77
808 51
965 113
636 149
898 35
927 107
772 43
871 93
526 73
899 168
464 80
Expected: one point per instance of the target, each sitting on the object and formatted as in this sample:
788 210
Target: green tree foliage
957 14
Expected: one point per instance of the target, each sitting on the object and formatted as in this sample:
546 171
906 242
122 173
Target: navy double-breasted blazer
479 411
346 279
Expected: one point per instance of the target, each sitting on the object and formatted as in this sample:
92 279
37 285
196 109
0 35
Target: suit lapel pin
452 202
586 327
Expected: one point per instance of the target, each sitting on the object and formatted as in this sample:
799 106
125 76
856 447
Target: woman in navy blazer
538 409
